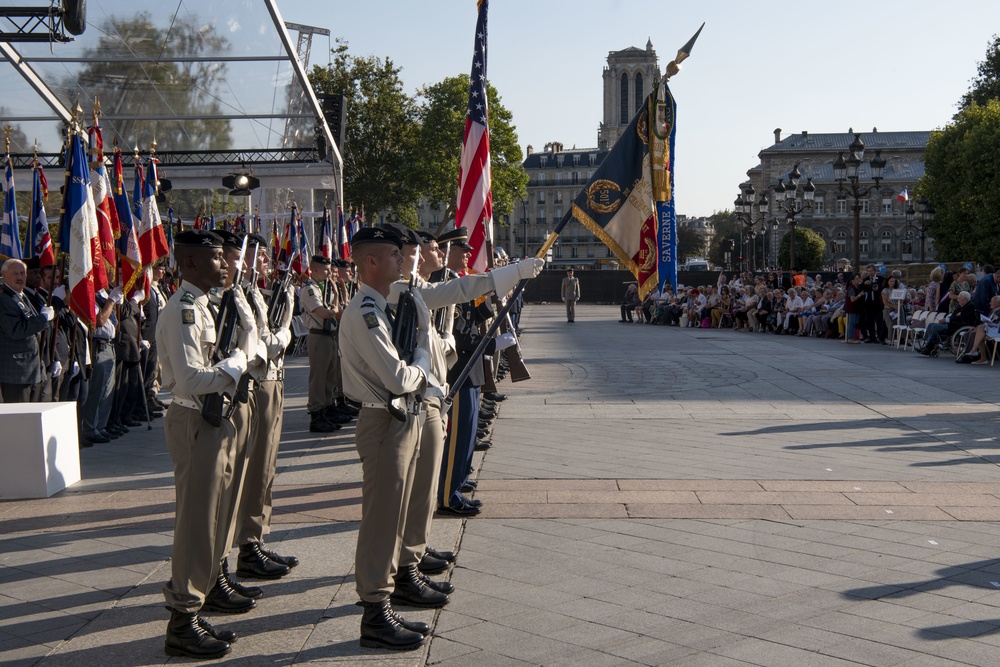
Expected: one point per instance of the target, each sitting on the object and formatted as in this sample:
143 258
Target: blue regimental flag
10 232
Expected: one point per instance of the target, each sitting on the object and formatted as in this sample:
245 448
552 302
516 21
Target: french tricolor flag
904 195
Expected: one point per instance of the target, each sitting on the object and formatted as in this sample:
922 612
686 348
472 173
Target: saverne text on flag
474 209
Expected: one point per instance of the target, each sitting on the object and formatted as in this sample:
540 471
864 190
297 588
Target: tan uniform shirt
185 351
313 296
373 371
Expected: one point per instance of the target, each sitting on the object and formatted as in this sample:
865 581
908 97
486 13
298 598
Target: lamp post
926 218
849 170
786 198
524 226
744 207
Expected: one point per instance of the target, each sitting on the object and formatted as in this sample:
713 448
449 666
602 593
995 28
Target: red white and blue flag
326 243
40 241
78 233
10 234
474 209
344 234
104 259
904 195
127 244
152 239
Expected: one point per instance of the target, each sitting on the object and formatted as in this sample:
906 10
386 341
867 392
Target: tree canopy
986 84
810 249
689 242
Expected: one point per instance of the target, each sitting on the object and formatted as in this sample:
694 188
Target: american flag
474 209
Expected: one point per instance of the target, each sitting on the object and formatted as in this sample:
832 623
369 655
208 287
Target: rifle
440 317
404 334
225 325
278 302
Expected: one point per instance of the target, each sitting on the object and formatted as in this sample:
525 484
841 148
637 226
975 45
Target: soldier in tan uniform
203 455
412 587
373 375
321 311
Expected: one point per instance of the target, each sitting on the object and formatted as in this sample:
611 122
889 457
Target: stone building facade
885 237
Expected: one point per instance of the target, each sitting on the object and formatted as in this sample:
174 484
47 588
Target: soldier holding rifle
321 311
193 369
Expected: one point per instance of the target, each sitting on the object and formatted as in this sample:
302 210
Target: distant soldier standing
321 312
570 294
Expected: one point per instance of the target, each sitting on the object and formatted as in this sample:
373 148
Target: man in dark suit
20 329
37 286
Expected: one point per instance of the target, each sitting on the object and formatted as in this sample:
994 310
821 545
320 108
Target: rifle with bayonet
226 324
278 304
404 334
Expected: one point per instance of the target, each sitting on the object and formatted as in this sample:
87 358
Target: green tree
810 249
689 242
727 229
986 84
962 181
439 147
380 135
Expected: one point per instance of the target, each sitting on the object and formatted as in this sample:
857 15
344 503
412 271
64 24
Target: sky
820 67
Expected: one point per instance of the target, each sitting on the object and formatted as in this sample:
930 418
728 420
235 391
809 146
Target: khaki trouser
203 480
324 371
255 505
245 421
570 310
387 448
423 498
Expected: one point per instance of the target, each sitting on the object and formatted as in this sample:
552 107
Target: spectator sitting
723 306
630 302
986 289
833 308
965 315
695 302
978 346
808 301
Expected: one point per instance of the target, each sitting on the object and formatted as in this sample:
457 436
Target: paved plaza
654 496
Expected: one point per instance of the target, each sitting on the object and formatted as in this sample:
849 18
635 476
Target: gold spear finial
674 66
7 130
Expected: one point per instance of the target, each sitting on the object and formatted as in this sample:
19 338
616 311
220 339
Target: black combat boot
320 424
412 591
254 564
335 416
380 629
344 406
449 556
223 598
430 564
227 636
439 586
246 591
412 626
289 561
185 637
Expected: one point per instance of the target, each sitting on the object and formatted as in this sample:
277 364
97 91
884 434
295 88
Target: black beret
320 259
33 263
460 237
425 237
256 238
406 235
341 263
198 237
376 235
229 239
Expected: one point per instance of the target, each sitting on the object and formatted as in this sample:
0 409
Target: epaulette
368 301
187 298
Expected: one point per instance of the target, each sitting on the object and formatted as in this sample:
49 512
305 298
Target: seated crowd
863 308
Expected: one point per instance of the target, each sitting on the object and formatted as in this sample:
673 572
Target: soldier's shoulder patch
368 301
371 319
187 298
187 316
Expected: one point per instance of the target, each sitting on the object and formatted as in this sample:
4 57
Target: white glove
505 277
506 340
59 293
74 370
144 344
247 319
422 360
234 366
48 313
529 268
286 321
137 297
56 368
117 295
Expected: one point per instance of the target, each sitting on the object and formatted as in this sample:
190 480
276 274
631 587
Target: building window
541 196
623 120
558 213
640 92
841 204
559 196
576 160
608 251
543 160
886 206
841 242
558 177
864 206
863 243
590 251
573 252
540 219
819 206
558 251
593 159
886 242
559 160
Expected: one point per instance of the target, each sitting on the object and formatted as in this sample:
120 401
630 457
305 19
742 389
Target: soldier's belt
321 332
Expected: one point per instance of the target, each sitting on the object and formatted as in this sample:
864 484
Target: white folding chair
300 332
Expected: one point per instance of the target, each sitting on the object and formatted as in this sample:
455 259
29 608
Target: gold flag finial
674 66
7 130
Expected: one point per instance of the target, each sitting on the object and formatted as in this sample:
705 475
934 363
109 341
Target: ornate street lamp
924 224
785 196
744 207
849 170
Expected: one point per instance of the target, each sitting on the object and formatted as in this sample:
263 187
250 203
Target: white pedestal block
41 450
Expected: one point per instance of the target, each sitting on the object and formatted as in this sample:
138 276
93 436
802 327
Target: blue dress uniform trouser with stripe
459 445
